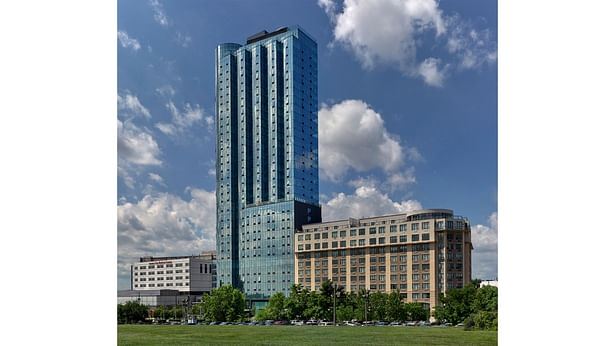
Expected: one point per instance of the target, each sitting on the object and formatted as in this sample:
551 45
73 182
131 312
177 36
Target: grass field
293 335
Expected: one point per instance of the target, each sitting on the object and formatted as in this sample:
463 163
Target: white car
325 323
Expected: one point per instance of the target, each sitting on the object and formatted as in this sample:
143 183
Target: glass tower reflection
266 157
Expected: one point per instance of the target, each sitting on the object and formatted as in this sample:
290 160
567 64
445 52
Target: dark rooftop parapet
264 34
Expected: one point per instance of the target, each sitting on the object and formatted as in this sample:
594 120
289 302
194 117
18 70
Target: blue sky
408 115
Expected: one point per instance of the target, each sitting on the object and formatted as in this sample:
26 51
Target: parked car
299 323
381 323
459 325
325 323
212 323
311 323
395 324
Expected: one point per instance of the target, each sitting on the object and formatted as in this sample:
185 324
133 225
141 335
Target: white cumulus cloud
166 90
157 178
165 225
432 75
182 40
366 201
127 41
386 31
473 48
328 6
135 145
182 120
209 120
130 105
159 14
166 128
485 254
399 180
128 179
391 32
352 135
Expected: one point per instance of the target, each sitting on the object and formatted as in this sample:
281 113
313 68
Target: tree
456 305
276 305
486 299
197 308
476 283
132 312
274 310
395 309
296 303
361 305
224 304
378 302
316 307
483 320
344 313
263 315
176 312
163 312
417 312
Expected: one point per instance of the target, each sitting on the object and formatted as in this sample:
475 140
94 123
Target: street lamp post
186 302
334 309
366 297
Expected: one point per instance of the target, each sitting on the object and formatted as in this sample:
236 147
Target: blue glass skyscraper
266 157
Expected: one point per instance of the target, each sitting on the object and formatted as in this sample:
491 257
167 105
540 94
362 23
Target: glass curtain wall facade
266 157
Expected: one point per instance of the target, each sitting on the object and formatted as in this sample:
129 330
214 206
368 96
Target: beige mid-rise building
421 254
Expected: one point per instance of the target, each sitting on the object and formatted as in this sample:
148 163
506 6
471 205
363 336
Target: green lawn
292 335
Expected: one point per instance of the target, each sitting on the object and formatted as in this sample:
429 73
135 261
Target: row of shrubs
483 320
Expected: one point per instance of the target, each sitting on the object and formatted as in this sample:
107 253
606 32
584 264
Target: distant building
156 298
189 274
493 283
421 254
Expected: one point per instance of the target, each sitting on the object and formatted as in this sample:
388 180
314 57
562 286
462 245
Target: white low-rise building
493 283
193 274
